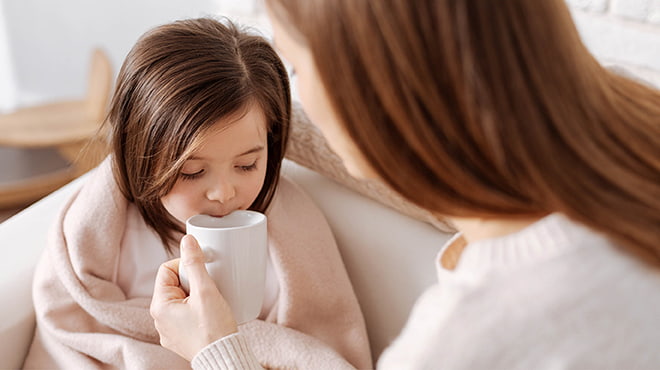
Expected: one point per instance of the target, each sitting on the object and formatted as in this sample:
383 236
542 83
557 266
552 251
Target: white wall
625 32
7 85
48 42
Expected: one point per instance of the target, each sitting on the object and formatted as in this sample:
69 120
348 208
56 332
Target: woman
502 121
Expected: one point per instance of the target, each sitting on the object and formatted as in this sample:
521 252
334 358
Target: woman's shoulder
595 307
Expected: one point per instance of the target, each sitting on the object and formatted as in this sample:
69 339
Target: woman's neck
475 229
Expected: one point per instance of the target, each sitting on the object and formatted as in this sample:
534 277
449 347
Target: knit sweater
554 295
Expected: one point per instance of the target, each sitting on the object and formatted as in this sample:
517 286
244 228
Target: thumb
193 260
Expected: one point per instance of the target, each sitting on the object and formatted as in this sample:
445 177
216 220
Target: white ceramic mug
236 250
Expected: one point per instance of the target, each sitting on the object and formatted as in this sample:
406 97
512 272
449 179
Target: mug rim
261 218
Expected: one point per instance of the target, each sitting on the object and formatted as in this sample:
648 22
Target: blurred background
46 51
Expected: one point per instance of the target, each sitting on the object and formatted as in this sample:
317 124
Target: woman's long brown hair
489 109
177 82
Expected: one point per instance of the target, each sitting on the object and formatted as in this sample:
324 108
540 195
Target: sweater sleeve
230 352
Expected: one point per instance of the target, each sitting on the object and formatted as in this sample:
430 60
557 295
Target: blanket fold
85 320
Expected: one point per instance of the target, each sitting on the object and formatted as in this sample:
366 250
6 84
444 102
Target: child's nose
221 191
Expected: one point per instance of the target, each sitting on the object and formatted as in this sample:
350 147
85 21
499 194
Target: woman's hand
188 324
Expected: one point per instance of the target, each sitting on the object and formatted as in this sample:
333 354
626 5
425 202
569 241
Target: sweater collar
547 238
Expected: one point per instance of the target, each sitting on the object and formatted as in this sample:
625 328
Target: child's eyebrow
257 148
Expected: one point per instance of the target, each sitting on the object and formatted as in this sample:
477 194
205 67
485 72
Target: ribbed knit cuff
230 352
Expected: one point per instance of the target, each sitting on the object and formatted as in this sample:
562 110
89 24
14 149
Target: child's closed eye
191 176
250 167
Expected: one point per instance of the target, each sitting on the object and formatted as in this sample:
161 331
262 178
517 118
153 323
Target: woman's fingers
193 260
188 324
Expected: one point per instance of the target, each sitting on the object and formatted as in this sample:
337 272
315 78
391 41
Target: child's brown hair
177 81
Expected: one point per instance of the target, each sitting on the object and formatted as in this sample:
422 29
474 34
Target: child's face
226 173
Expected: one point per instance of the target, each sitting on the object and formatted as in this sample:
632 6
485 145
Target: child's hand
188 324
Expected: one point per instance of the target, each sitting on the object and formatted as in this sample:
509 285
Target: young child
199 123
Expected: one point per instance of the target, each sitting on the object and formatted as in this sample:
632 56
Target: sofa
388 255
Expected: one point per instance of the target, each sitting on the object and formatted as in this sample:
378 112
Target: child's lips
223 213
220 213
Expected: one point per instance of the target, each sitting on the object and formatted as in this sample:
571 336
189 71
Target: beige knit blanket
85 321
